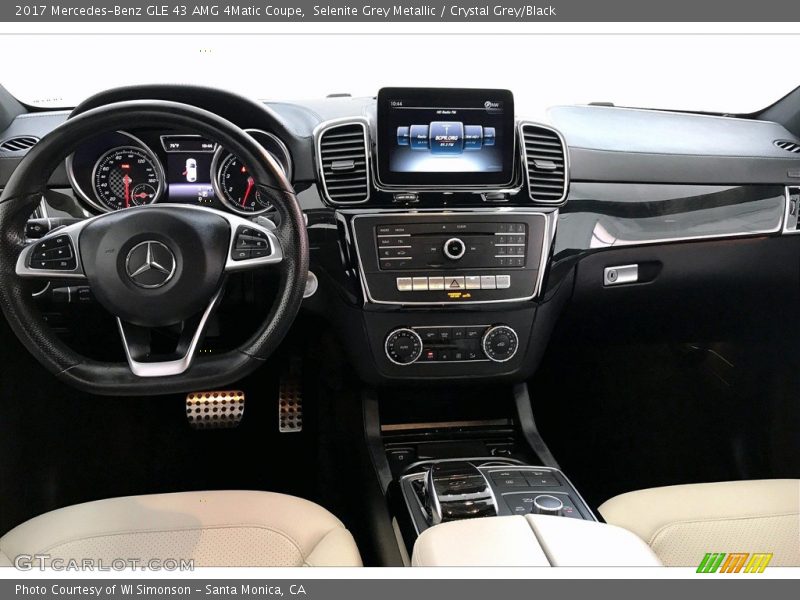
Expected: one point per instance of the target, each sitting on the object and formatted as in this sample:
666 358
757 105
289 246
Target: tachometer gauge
238 187
232 180
127 176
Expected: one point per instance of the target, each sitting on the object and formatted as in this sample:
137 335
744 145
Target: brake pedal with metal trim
215 410
290 399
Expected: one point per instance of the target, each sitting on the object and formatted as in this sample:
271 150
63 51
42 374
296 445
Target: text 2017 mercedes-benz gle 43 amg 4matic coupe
474 338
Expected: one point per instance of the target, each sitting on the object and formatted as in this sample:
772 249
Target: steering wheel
151 266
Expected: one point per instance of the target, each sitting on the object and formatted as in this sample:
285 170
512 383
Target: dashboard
448 232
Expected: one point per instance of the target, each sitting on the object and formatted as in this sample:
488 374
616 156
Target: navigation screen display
452 137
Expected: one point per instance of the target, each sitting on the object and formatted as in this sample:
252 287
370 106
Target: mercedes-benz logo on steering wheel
150 264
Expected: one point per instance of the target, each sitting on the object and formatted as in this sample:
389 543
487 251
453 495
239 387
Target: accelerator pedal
290 399
214 410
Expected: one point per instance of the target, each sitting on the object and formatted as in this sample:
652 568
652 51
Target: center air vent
344 162
545 164
788 146
19 143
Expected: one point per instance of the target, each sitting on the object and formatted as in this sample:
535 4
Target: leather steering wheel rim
24 191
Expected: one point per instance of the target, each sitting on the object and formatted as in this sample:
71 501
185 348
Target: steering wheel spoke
55 256
137 341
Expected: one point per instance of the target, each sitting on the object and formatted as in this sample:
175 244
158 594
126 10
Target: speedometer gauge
127 176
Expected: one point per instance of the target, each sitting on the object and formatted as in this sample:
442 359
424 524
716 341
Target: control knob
403 346
545 504
500 343
454 248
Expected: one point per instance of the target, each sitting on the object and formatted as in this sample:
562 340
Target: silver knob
500 343
403 346
454 248
545 504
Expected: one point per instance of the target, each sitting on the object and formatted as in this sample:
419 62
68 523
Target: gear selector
458 490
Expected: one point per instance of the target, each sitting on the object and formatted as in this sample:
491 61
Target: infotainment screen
430 137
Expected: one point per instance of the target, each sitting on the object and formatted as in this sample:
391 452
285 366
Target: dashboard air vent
18 143
788 146
546 163
344 162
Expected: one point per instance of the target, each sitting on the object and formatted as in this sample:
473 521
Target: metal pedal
214 410
290 400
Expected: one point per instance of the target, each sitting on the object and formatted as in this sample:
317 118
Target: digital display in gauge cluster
189 169
451 137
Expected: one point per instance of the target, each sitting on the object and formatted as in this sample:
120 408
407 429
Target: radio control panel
451 258
451 244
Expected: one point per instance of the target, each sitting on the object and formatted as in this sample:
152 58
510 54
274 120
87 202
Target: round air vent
19 143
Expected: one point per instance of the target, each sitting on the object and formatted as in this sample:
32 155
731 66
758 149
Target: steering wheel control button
250 243
403 346
500 343
545 504
454 248
54 254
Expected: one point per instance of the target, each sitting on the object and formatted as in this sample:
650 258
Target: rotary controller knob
545 504
500 343
403 346
454 248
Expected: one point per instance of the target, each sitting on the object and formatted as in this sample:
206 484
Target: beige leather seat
682 523
220 528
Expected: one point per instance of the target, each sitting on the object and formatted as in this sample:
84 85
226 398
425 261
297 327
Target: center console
445 236
453 490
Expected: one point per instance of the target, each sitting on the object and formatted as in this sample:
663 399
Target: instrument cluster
119 170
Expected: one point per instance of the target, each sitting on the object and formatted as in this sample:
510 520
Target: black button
445 355
445 335
538 479
250 241
458 355
259 252
241 254
473 333
401 456
505 474
458 333
54 254
429 355
62 265
428 335
510 482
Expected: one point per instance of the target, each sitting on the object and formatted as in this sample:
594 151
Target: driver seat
215 529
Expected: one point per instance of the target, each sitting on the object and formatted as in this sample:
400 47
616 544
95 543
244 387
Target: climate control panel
451 344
